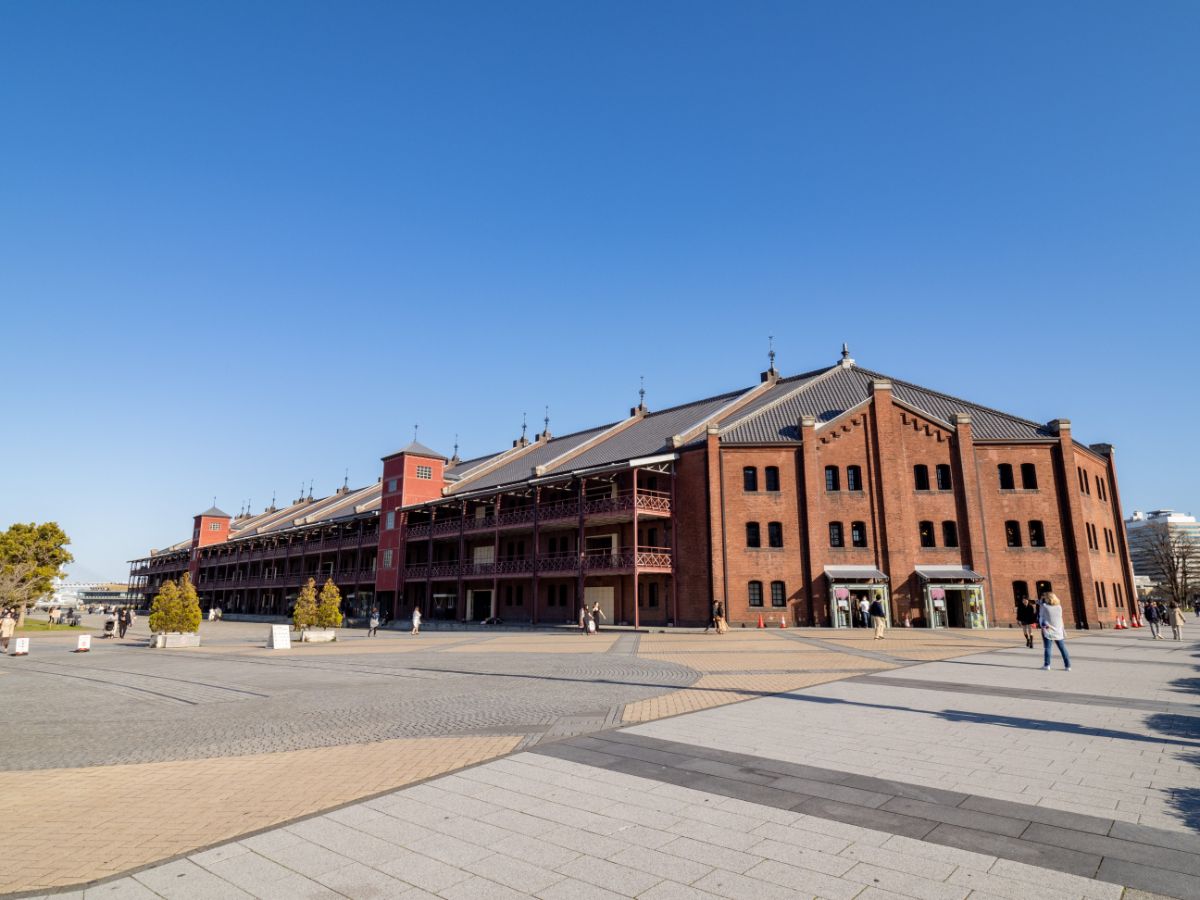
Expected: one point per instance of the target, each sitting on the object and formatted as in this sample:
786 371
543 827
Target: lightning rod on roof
456 445
524 426
546 418
416 427
642 390
346 479
771 351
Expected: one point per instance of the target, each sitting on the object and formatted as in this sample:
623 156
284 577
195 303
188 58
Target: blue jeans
1062 648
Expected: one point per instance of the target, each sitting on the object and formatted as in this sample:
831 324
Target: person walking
1154 620
416 620
1175 620
1050 620
878 618
713 612
864 611
1027 615
8 627
122 623
597 614
373 622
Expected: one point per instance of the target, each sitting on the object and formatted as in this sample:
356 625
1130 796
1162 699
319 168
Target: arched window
1020 591
832 480
835 535
750 479
1037 534
1044 587
778 594
1004 470
772 478
753 537
1012 533
854 478
1099 488
949 534
944 481
858 534
755 593
925 531
921 477
774 534
1029 476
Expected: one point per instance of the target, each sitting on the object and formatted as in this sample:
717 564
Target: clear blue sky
243 245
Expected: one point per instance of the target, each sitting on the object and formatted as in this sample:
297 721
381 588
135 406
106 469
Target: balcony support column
459 596
495 556
537 494
674 591
579 550
636 587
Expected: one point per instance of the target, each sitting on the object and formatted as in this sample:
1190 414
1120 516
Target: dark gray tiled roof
418 449
213 511
521 466
652 434
837 389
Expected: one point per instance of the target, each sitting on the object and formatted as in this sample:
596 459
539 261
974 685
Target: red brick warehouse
792 499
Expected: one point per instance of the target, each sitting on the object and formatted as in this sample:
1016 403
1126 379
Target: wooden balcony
599 509
623 560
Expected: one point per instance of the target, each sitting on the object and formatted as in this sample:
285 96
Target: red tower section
415 474
210 527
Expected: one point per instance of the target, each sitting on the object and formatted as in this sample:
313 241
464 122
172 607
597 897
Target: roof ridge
787 395
945 396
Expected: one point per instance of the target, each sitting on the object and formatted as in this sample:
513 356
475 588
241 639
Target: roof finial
454 460
248 501
642 391
346 479
272 501
546 419
846 362
416 427
214 500
524 425
310 484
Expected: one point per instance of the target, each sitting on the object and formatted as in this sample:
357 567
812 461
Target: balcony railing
646 501
625 558
298 579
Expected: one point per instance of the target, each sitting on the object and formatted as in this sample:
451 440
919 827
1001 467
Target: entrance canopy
947 573
854 573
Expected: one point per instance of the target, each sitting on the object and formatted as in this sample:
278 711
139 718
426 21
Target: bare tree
18 588
1177 558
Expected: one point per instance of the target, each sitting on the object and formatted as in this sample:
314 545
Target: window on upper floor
944 481
387 559
214 526
1029 476
1020 591
921 477
390 520
1005 473
1099 488
925 533
836 539
833 481
391 485
755 593
772 473
854 478
949 534
750 479
1012 533
774 534
1044 588
778 593
1037 534
753 535
425 473
858 534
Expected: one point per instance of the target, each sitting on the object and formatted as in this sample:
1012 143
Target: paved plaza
810 763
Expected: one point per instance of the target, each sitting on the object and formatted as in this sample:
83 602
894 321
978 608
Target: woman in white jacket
1050 621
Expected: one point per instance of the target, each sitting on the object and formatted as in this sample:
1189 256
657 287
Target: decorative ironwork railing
623 558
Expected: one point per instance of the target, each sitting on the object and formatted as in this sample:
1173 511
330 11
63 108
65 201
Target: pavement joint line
882 678
850 651
636 755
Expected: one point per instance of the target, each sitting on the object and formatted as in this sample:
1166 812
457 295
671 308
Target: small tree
164 610
305 613
329 611
31 557
189 606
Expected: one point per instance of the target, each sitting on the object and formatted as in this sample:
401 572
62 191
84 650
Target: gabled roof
417 449
832 391
216 513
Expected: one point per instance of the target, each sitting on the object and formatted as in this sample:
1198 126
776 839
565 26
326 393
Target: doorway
955 606
605 597
479 605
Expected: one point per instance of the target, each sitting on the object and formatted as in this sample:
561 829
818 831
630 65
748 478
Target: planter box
318 635
175 639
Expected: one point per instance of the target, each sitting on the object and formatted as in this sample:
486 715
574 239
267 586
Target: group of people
120 622
374 620
589 619
716 619
1158 615
1047 617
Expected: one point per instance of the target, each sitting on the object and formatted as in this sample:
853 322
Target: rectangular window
1012 533
858 534
1020 591
756 593
778 594
753 538
925 533
391 485
944 480
214 526
775 534
391 520
949 534
387 559
425 473
835 535
750 479
1037 534
772 478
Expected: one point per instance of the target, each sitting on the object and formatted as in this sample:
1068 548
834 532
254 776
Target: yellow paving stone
115 818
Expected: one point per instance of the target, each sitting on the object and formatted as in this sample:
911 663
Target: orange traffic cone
1120 626
783 621
760 621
